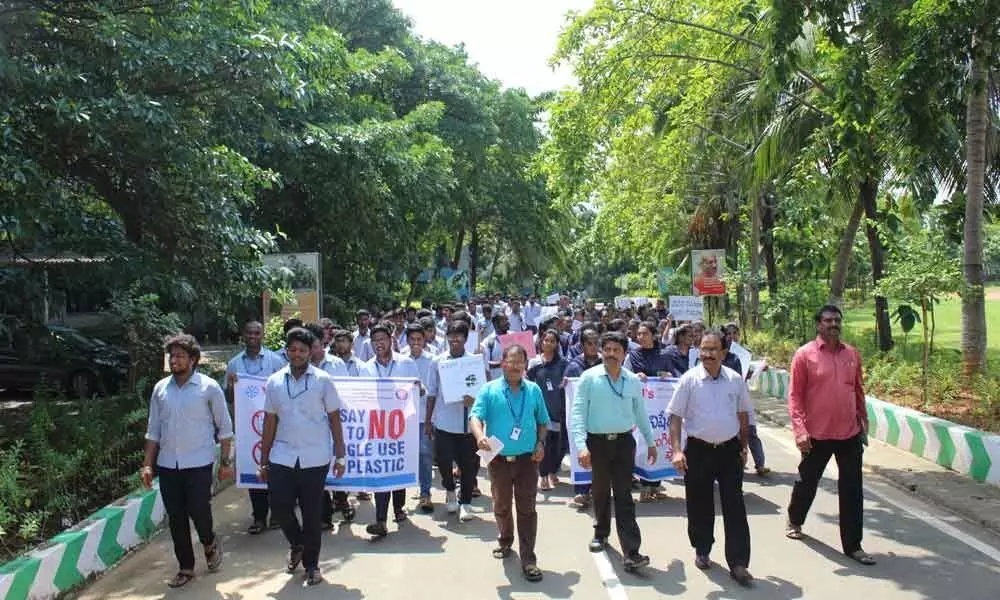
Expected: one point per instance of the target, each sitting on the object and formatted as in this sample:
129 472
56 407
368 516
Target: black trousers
187 496
554 453
291 485
708 463
458 448
260 505
382 504
611 472
849 490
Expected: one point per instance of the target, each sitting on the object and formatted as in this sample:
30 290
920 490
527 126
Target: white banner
687 308
381 433
462 376
657 392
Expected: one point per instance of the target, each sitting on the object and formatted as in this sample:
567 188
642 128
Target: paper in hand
495 447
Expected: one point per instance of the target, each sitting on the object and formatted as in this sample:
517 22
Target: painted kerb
959 448
92 546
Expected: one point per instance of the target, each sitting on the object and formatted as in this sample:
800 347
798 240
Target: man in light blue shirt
302 433
257 361
343 349
424 361
513 410
387 363
187 411
608 404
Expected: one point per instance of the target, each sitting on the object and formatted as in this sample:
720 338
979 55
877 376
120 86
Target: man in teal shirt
608 404
513 411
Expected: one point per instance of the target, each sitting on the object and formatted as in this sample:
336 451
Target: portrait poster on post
708 272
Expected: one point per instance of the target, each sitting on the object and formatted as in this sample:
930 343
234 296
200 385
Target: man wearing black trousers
302 433
185 412
712 402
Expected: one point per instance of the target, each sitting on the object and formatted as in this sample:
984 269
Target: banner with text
657 393
687 308
381 433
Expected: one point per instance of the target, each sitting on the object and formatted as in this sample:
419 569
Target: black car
36 354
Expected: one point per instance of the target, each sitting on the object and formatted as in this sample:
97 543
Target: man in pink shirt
827 405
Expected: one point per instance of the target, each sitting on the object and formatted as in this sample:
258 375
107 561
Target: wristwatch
341 461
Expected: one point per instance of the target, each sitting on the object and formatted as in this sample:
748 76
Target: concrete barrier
957 447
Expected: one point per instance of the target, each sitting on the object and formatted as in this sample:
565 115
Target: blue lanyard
378 368
288 388
619 393
247 363
510 405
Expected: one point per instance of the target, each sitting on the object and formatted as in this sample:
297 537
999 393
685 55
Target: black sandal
862 557
256 529
501 552
180 579
400 516
532 573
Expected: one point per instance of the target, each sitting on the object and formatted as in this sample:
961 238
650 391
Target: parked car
32 354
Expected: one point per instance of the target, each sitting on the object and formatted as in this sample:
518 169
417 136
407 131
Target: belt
609 436
712 444
514 458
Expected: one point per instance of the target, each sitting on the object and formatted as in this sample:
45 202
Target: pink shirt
826 400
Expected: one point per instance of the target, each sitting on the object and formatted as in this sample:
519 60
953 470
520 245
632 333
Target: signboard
381 433
687 308
302 273
657 392
708 271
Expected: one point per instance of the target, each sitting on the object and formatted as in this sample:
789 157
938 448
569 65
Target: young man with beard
387 363
302 435
187 411
362 340
257 361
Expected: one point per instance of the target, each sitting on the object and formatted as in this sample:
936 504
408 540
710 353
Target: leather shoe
742 576
703 562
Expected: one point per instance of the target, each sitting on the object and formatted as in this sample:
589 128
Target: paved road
922 553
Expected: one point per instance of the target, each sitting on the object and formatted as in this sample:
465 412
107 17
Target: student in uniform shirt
511 409
607 406
387 363
485 326
711 403
342 349
472 342
320 358
589 357
492 349
430 335
362 341
448 424
649 361
398 329
260 362
187 411
515 317
532 313
302 435
288 325
548 370
424 362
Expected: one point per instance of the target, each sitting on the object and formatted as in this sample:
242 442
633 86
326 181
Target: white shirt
492 351
265 364
399 366
472 342
516 321
303 408
363 346
425 364
333 366
709 405
532 312
183 421
352 366
454 417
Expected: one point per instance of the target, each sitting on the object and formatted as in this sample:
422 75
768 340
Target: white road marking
616 591
932 520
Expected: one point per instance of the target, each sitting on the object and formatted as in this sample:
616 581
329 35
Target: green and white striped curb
956 447
92 546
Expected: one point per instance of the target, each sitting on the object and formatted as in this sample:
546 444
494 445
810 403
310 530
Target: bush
72 458
146 328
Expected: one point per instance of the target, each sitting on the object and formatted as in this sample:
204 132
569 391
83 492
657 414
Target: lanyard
247 363
378 368
510 405
288 388
619 393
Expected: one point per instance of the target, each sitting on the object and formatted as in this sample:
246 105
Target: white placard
462 376
744 355
552 299
248 397
622 302
687 308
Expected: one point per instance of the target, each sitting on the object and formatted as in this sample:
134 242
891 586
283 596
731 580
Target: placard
687 308
525 338
462 376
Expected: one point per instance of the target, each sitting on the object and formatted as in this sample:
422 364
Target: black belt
610 436
515 458
697 441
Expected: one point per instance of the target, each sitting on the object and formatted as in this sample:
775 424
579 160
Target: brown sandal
180 579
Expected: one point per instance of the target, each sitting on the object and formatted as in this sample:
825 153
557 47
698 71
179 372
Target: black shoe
597 544
400 516
742 576
257 528
314 577
377 530
703 562
635 560
294 558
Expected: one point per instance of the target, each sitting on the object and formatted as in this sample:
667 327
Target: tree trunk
839 280
973 300
458 248
473 259
767 242
755 264
868 196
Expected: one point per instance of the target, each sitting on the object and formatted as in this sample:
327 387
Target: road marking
616 591
929 519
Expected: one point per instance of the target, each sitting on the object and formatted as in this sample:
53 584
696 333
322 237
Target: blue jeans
756 448
425 472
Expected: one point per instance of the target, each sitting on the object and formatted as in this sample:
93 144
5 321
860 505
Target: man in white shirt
711 402
302 434
362 339
257 361
492 349
424 360
515 317
532 313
